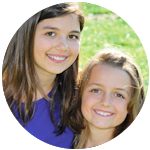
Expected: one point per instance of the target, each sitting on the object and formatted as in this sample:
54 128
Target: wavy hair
20 80
117 60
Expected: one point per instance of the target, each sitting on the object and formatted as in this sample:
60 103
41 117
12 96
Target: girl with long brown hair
40 69
109 96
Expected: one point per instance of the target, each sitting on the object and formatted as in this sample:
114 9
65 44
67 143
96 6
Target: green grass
98 34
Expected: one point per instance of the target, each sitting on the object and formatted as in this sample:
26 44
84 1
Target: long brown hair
20 80
114 59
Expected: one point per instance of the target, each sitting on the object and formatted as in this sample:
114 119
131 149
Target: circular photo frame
34 70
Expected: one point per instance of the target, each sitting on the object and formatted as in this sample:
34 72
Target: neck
99 136
46 81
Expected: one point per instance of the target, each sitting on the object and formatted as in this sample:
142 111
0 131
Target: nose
62 44
106 100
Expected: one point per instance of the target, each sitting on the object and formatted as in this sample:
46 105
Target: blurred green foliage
101 32
93 9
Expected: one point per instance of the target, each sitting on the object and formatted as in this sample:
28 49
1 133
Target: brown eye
73 37
50 34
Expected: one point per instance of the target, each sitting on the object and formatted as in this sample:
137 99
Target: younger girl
110 94
39 72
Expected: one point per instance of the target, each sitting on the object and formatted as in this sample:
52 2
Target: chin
102 126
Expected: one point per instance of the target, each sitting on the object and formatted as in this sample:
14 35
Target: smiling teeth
103 114
56 58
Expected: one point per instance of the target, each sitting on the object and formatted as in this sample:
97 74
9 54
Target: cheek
42 44
84 107
122 110
85 111
87 105
38 47
74 48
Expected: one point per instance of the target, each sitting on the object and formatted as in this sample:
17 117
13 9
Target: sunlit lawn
98 34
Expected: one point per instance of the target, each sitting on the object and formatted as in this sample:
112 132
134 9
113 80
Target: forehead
69 21
109 76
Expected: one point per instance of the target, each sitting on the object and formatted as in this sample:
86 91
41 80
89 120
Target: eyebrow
97 84
123 89
54 28
49 27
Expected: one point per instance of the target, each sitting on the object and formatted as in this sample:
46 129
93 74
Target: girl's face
106 97
56 44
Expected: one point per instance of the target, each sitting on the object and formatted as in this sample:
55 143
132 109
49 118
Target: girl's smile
103 113
105 98
56 44
57 58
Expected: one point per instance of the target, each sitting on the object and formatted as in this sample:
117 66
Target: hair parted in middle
114 59
19 75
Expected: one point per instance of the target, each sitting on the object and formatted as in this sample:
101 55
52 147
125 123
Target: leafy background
104 29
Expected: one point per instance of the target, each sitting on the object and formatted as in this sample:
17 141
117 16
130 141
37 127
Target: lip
103 113
57 58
